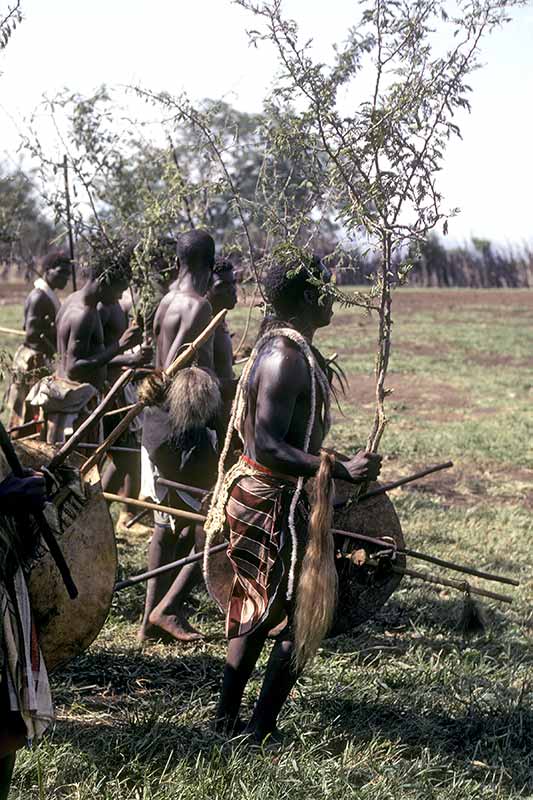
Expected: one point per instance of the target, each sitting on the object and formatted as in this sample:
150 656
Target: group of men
278 412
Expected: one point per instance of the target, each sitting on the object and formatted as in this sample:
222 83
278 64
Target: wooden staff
462 586
114 449
200 518
182 562
69 223
70 445
174 512
387 487
137 518
13 332
424 576
26 426
183 486
488 576
178 364
119 410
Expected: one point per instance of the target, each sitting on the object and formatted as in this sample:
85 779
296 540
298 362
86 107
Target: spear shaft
200 518
69 222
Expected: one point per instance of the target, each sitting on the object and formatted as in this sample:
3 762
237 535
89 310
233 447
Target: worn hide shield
67 627
363 590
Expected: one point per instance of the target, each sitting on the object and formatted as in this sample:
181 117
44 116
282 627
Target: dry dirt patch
415 393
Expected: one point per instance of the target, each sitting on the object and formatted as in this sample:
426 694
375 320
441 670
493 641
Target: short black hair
111 259
222 265
56 258
195 248
285 282
164 248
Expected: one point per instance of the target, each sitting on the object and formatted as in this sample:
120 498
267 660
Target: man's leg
122 476
168 613
243 652
280 677
7 765
161 551
12 738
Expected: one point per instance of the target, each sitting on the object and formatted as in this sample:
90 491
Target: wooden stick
69 223
118 410
26 426
462 586
70 445
137 518
373 493
13 332
459 568
402 481
488 576
178 364
182 562
387 487
114 449
174 512
175 485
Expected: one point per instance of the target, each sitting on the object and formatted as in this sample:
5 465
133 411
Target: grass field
403 708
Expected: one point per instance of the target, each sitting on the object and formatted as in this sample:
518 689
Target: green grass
403 708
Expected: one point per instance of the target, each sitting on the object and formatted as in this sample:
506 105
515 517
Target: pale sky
202 47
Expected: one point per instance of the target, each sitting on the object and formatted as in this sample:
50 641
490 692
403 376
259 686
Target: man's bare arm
284 378
140 358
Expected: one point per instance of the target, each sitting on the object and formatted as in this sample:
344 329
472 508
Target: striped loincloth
257 513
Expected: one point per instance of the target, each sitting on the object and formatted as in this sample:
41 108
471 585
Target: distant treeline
476 265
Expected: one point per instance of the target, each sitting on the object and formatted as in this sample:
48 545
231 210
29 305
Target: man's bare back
180 318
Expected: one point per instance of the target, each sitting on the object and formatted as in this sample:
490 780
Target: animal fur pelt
316 596
193 400
153 390
473 619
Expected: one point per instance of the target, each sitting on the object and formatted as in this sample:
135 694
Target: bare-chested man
179 446
33 359
259 511
83 355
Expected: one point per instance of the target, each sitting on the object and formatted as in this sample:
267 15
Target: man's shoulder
187 307
74 312
282 355
37 298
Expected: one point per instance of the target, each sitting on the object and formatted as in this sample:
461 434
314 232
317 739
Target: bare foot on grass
171 626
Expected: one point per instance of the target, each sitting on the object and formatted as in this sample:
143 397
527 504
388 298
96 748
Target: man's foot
229 727
263 738
174 626
152 633
137 529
